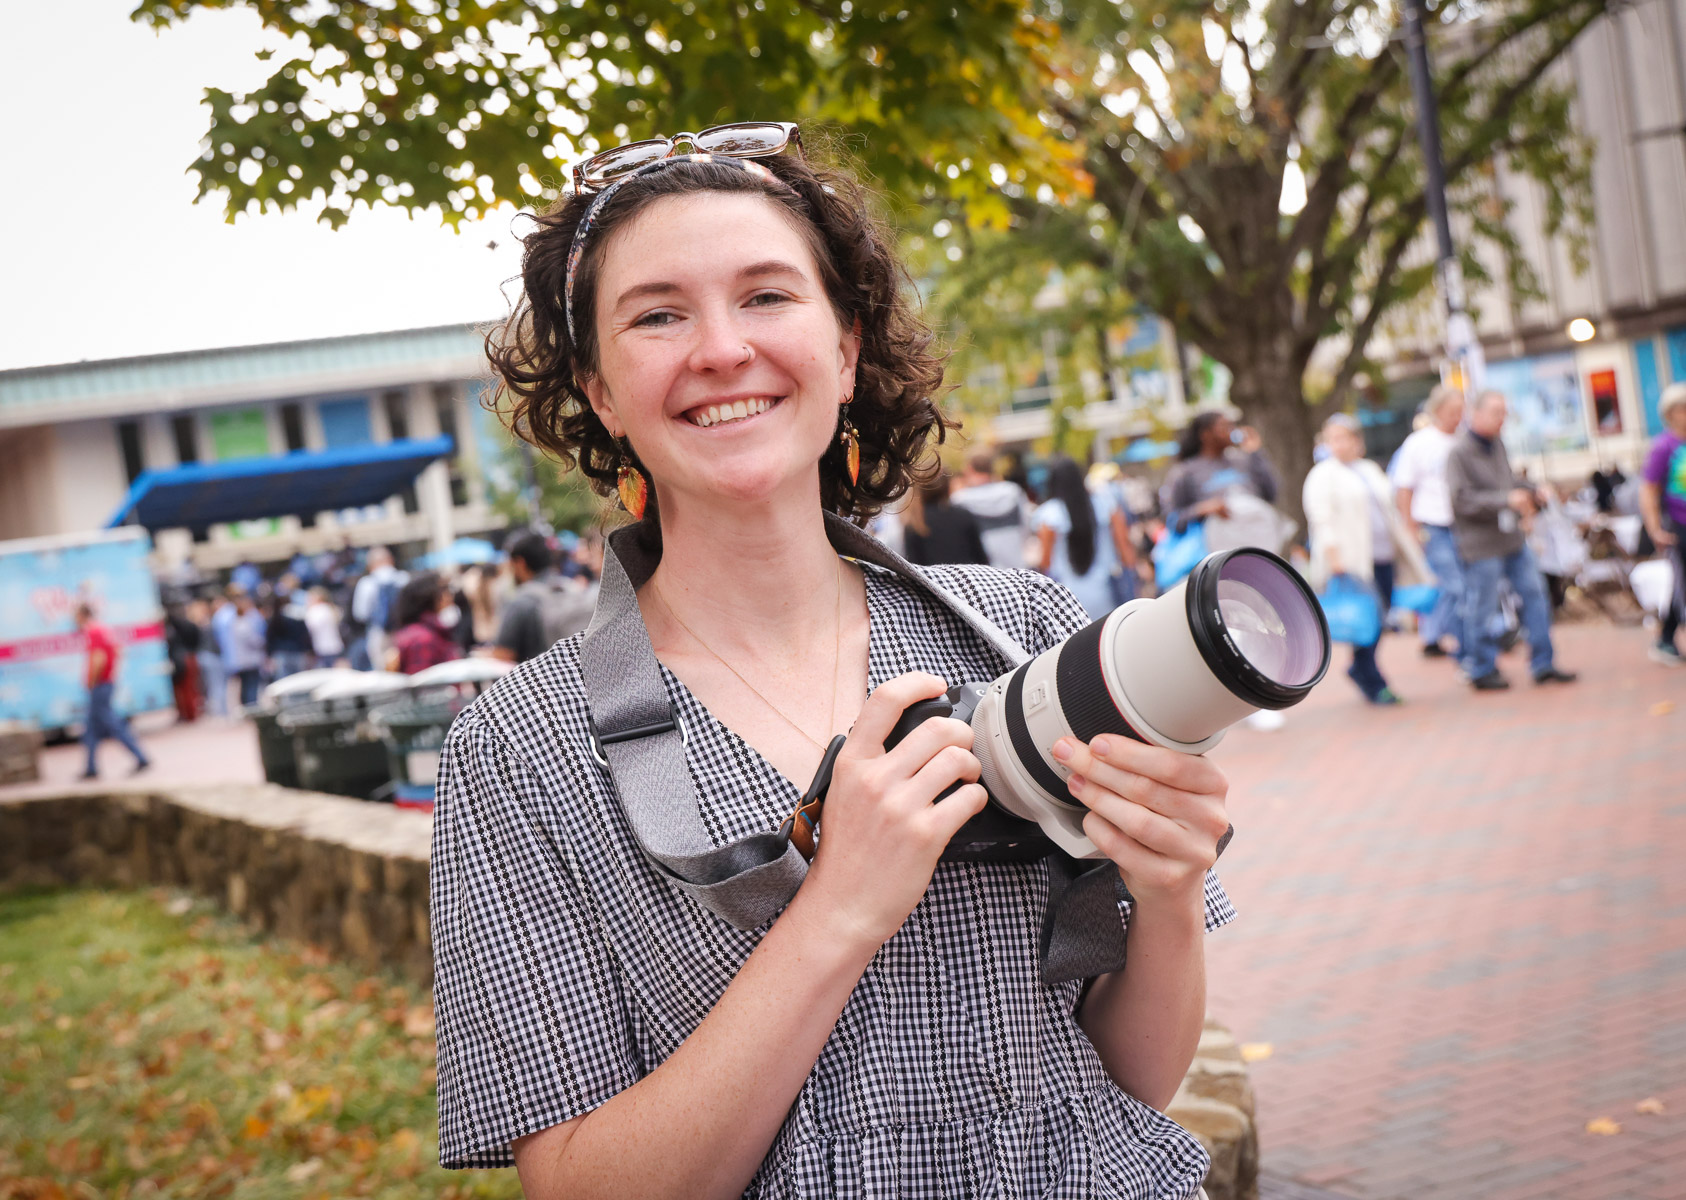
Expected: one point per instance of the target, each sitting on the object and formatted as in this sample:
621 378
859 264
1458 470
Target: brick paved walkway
1463 931
211 750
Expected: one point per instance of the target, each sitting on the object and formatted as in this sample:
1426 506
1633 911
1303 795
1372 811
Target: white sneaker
1266 720
1666 654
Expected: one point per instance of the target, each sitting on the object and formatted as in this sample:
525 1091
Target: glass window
397 409
129 439
186 432
292 427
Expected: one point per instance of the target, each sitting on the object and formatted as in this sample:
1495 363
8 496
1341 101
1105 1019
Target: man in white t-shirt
1419 480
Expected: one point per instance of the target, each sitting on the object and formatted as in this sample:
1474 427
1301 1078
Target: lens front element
1258 627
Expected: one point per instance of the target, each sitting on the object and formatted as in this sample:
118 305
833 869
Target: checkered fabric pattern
567 968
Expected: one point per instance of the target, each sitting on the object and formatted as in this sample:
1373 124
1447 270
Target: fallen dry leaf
1256 1051
1603 1127
255 1128
418 1020
1651 1107
299 1172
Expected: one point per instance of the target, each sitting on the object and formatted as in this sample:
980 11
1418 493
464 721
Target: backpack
563 610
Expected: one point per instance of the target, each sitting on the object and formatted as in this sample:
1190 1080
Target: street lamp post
1464 358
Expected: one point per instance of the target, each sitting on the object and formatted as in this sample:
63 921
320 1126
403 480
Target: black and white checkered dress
568 969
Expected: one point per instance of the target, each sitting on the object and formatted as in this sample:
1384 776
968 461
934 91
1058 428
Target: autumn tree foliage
1145 144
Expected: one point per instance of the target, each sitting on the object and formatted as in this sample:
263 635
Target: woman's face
721 358
1344 444
1217 436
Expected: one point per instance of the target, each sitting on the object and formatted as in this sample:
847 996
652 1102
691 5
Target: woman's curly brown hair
541 370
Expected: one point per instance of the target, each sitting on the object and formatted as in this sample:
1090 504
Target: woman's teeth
719 414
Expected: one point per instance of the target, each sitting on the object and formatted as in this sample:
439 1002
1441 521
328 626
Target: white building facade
73 438
1579 404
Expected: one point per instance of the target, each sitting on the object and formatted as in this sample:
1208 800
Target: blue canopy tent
1147 450
460 553
195 495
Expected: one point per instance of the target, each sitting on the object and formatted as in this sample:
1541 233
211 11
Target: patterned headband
582 231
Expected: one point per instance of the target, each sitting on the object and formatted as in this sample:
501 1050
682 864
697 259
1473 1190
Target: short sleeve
1656 462
520 631
1055 614
1051 514
531 1019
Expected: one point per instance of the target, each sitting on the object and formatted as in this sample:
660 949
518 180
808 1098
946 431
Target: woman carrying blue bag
1359 550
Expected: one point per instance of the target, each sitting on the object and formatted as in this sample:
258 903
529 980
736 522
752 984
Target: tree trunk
1267 390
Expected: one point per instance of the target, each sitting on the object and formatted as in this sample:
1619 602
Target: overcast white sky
103 253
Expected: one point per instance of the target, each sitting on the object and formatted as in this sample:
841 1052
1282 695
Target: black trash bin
334 745
275 745
413 730
413 733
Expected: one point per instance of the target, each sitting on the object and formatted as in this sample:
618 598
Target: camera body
995 834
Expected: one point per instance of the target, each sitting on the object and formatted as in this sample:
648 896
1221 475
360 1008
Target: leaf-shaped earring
851 447
634 489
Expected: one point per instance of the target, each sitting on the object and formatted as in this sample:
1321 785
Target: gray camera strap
638 736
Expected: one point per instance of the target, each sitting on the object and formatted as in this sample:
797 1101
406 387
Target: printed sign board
43 661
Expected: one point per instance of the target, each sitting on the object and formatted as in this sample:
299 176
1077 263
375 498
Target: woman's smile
730 411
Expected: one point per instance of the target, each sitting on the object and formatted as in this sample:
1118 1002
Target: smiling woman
644 986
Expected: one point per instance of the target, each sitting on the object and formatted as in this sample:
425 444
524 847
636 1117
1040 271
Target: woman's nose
720 345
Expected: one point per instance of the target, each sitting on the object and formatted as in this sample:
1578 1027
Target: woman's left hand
1155 812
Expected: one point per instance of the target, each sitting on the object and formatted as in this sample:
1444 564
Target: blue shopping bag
1177 554
1353 612
1417 598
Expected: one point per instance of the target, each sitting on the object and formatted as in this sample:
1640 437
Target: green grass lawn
150 1046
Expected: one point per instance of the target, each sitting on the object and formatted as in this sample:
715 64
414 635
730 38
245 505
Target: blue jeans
1364 671
1446 617
1481 603
214 679
103 722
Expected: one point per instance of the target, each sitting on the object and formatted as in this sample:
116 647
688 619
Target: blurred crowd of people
1477 556
359 608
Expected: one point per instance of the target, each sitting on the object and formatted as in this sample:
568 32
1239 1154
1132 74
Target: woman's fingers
948 765
878 716
1183 787
928 739
1158 833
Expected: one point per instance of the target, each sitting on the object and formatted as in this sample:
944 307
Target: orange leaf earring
634 489
851 446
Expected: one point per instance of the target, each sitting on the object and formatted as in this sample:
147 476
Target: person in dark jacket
182 638
1489 510
939 531
287 642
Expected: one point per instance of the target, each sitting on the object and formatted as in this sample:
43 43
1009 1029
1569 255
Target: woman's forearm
1145 1020
701 1123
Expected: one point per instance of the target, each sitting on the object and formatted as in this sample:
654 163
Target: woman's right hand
880 832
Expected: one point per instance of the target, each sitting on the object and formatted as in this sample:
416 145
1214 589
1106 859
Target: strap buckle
598 741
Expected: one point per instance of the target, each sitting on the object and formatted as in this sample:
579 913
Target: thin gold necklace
836 662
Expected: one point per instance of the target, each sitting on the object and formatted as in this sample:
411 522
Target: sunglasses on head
742 139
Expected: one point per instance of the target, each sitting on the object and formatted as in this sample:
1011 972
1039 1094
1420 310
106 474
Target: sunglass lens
745 140
611 164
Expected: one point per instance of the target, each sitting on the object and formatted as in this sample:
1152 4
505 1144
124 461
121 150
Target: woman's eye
654 320
763 299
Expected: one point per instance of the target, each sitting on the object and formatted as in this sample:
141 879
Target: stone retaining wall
351 877
344 875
